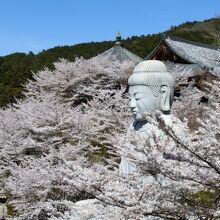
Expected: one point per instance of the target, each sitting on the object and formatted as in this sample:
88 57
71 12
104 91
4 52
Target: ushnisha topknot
152 73
150 66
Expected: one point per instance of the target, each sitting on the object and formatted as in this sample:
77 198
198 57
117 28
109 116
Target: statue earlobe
165 98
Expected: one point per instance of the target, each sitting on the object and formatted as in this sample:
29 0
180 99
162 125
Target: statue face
142 101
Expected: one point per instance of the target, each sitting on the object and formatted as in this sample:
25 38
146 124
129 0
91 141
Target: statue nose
132 104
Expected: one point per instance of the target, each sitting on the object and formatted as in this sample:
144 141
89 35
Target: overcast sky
34 25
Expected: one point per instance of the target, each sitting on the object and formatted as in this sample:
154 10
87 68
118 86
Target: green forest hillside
16 68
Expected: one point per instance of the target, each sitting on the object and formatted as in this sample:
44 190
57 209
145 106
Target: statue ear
165 98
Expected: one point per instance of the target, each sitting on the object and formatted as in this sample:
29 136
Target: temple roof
121 53
206 56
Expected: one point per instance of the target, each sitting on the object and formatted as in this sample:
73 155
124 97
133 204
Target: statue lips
134 112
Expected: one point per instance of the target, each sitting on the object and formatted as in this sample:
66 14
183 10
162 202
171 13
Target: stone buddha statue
151 88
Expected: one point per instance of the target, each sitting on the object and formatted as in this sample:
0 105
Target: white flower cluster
60 149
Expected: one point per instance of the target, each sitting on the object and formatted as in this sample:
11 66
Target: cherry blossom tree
61 148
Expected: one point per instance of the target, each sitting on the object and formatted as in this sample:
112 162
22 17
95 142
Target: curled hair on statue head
154 75
153 80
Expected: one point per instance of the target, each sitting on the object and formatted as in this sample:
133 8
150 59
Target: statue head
151 88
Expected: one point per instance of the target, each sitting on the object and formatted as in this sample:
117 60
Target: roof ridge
122 52
165 36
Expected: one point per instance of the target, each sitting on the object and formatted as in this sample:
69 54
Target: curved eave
164 36
187 59
164 41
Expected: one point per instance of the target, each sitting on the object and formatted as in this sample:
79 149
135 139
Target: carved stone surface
151 88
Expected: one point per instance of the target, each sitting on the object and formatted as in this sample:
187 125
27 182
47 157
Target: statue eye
138 97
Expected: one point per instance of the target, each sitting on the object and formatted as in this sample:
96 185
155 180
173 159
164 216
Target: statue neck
137 125
144 125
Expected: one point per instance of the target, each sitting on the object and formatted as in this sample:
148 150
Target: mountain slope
17 68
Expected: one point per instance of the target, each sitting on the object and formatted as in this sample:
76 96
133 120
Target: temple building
180 51
120 53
